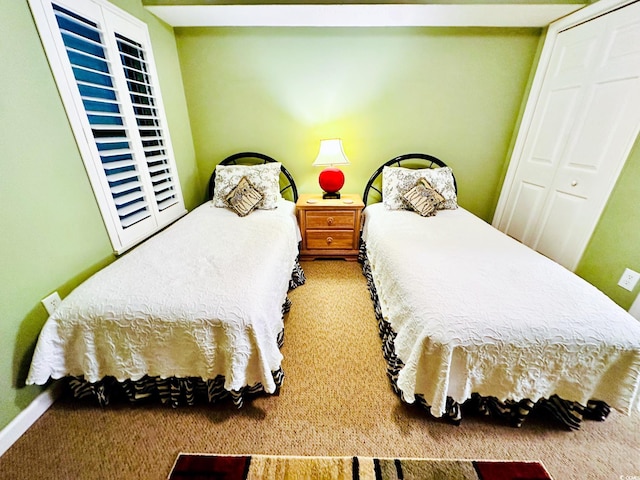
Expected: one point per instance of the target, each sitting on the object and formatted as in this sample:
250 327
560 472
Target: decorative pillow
244 198
264 177
422 198
397 180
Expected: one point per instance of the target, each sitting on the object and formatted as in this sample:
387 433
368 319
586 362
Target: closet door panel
550 130
529 197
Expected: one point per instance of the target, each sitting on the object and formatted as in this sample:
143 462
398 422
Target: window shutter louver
110 94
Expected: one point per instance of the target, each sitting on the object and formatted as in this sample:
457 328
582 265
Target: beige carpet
335 401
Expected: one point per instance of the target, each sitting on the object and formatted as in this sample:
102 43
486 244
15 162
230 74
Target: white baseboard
27 417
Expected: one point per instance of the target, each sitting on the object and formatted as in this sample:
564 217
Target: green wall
52 235
453 93
615 244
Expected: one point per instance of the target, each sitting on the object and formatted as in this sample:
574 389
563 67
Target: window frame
112 21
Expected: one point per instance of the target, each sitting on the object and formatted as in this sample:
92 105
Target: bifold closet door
585 120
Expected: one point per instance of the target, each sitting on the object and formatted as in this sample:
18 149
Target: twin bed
472 319
195 313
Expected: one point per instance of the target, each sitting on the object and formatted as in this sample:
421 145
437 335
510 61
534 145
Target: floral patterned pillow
264 177
396 181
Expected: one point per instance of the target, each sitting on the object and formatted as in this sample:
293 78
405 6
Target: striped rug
267 467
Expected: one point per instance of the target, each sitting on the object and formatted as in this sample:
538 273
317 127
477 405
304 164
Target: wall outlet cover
51 302
629 279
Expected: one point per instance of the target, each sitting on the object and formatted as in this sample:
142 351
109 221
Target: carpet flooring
336 400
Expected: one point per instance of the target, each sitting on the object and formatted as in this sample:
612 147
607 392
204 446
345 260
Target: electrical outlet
51 302
629 279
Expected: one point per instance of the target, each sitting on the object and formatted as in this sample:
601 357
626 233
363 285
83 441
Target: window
102 62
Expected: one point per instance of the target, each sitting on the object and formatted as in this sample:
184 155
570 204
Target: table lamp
331 179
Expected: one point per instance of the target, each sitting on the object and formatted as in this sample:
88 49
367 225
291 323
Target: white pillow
396 181
265 177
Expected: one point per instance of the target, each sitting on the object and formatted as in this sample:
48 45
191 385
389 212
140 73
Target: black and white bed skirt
172 391
568 413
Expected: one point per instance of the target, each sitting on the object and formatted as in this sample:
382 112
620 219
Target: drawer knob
329 220
329 240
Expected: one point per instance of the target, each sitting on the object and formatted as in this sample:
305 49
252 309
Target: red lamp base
331 180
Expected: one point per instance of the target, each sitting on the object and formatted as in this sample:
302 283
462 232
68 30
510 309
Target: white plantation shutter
96 86
102 62
145 107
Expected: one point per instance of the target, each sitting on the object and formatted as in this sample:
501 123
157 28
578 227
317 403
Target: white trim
27 417
352 15
590 12
634 310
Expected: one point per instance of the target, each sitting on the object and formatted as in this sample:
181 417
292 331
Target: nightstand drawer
330 219
329 239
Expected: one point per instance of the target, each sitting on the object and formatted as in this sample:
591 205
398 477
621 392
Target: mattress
202 298
475 311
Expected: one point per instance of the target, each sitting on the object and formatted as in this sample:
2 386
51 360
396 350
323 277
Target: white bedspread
476 311
200 299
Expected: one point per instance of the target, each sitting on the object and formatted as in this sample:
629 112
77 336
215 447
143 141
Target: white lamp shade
331 153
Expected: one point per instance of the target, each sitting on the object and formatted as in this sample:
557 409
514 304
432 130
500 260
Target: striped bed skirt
172 391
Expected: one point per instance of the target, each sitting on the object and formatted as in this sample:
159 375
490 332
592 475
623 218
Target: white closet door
584 123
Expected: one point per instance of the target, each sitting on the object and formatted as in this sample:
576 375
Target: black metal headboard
408 160
287 184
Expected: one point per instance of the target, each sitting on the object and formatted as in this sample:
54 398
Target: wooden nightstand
330 228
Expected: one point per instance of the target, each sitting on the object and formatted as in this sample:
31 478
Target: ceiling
362 13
